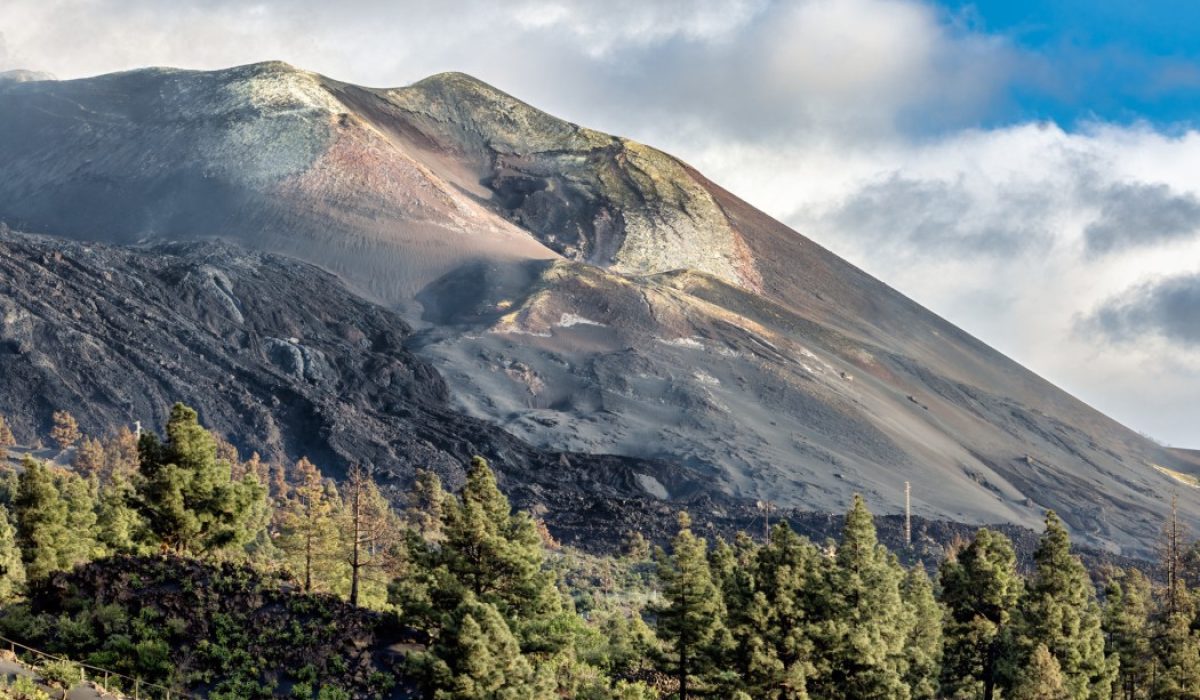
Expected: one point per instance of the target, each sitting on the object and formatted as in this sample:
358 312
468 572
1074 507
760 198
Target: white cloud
607 25
990 228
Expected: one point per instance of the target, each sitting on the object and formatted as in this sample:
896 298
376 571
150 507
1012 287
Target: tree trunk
989 672
683 674
308 561
356 517
683 653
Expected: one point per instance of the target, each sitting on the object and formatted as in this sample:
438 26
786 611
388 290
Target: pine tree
280 489
1127 608
496 553
775 644
186 493
1177 651
120 456
371 531
499 556
635 547
1040 679
228 452
923 648
120 527
477 657
7 439
12 570
628 644
1059 610
425 508
65 432
80 496
486 554
89 458
1173 546
733 581
40 515
979 590
690 617
256 469
308 531
8 487
862 649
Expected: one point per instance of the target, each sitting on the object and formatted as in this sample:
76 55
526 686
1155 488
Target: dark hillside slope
277 356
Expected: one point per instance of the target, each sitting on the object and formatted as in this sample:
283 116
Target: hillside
583 292
280 359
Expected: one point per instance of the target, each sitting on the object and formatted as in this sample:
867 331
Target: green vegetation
187 494
181 565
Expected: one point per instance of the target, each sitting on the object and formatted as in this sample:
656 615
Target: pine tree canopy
1059 610
187 494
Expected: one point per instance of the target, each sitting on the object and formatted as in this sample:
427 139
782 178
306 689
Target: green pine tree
775 636
12 569
690 616
862 646
9 479
187 495
1059 610
41 519
923 648
731 576
498 556
120 527
425 509
1040 679
979 591
80 496
488 554
477 657
1177 652
1127 608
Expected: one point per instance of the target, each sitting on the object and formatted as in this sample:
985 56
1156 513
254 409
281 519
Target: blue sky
1028 170
1098 60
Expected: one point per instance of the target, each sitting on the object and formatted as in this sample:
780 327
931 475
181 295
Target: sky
1028 170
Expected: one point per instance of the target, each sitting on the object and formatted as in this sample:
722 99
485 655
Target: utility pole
1173 555
907 514
765 507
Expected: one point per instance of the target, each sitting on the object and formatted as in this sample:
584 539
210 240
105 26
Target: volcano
574 293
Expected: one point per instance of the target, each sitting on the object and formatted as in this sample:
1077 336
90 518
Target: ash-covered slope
584 291
278 356
263 154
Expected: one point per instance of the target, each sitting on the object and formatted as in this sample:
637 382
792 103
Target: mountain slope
584 291
278 357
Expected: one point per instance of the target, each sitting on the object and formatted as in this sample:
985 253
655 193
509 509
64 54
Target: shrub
22 688
61 674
